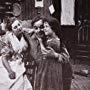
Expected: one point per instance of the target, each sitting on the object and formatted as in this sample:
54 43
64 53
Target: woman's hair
2 32
9 22
55 26
53 22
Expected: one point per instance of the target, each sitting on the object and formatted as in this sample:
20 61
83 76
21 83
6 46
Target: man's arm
8 68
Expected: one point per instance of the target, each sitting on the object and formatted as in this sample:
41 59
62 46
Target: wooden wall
29 11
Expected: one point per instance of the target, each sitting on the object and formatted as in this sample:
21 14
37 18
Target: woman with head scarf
12 67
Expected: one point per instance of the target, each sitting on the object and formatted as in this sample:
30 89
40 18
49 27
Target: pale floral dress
12 47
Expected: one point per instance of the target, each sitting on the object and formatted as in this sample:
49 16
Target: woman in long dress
12 46
49 53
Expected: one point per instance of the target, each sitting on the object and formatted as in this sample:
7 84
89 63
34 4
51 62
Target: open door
83 21
57 6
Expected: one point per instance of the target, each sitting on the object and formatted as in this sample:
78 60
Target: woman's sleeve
64 53
6 54
67 71
6 50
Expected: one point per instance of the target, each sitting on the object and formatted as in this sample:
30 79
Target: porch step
82 60
81 47
81 52
83 57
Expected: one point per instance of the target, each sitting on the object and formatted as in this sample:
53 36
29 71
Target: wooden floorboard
80 82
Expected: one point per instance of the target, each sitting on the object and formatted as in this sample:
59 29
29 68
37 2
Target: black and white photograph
44 45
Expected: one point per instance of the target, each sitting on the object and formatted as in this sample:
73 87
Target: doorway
57 7
83 16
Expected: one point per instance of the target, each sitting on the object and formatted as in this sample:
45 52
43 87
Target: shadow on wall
26 23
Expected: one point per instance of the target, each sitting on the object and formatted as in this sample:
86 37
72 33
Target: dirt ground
80 82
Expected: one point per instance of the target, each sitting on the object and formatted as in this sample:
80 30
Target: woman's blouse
11 47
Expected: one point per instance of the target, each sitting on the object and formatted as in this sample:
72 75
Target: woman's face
47 29
17 27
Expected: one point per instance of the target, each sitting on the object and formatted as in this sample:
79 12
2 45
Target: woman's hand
50 52
12 75
7 66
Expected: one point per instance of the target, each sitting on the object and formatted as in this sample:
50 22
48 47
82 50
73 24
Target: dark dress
49 71
48 74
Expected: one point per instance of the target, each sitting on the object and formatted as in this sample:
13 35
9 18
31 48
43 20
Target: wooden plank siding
29 10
